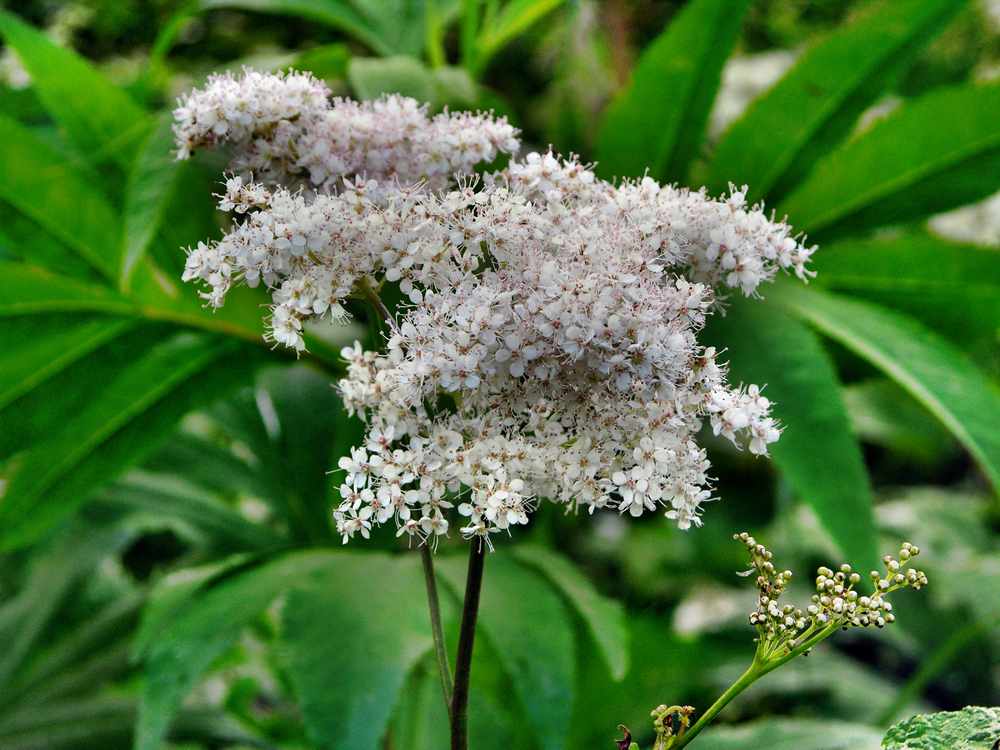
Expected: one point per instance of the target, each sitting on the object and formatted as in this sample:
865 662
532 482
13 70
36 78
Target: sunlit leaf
99 118
782 134
900 169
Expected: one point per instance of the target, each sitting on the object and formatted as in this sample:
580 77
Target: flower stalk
466 640
785 632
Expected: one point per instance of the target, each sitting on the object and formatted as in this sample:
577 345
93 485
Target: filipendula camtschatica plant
558 311
785 631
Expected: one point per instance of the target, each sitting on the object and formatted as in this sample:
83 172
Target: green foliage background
168 568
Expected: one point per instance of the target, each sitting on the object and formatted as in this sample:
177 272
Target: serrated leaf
950 286
972 728
203 629
67 203
604 617
933 371
817 453
900 169
782 134
516 602
791 734
145 397
347 686
658 121
149 189
96 115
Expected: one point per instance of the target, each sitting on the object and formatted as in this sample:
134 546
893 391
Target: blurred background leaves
169 571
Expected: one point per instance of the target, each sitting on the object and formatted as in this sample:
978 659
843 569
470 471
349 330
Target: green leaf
933 371
28 290
204 628
658 121
952 287
94 113
348 685
530 629
37 347
121 422
516 17
68 557
388 27
900 169
972 728
370 77
791 734
22 238
150 187
328 61
179 502
817 452
884 414
816 104
65 202
604 617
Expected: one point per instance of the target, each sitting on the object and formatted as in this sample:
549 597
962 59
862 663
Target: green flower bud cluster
783 630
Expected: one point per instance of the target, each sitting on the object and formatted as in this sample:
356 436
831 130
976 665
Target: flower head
549 347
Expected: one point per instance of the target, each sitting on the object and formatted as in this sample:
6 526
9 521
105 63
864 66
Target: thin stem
466 639
746 680
440 650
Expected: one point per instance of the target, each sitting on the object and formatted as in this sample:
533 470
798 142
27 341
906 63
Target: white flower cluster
284 129
548 350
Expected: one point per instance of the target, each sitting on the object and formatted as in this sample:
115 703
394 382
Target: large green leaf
37 347
530 629
26 289
816 104
98 117
604 617
792 734
933 371
374 607
67 203
202 628
817 453
659 120
22 238
149 189
952 287
128 409
902 168
972 728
